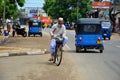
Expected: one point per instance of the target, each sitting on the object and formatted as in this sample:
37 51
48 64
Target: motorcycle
19 31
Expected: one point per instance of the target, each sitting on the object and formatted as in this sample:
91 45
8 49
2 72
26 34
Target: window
35 24
88 29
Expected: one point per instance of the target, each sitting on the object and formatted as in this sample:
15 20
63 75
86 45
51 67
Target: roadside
19 44
31 45
35 67
38 67
116 35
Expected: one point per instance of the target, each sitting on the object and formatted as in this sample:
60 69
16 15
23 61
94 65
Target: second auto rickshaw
106 29
35 27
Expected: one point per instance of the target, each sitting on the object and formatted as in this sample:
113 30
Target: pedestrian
6 35
8 27
14 29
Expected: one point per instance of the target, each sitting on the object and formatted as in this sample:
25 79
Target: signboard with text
101 4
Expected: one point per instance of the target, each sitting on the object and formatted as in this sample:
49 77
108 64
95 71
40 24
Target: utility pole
4 11
77 9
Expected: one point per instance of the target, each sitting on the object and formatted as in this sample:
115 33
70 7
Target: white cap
61 19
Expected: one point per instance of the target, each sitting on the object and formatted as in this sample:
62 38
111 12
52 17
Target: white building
32 11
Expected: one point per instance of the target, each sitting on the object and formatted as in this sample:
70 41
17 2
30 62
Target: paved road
94 65
97 66
75 66
35 67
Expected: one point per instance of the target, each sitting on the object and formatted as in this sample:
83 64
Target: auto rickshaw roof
34 20
90 21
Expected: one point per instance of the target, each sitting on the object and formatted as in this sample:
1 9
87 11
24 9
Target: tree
113 18
98 0
70 10
11 7
1 8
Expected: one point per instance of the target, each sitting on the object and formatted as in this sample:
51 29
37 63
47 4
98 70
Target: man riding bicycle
58 29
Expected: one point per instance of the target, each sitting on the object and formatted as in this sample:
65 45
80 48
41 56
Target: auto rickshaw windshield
88 29
106 24
35 24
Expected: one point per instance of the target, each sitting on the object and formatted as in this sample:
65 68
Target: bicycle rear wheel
58 55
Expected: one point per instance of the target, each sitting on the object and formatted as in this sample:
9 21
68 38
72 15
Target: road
94 65
89 65
35 67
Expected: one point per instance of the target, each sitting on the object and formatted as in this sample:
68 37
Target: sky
34 3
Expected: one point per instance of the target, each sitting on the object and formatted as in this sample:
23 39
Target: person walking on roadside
6 35
8 27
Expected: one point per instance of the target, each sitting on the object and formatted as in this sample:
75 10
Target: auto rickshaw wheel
85 49
41 35
28 35
34 35
101 51
78 49
104 38
109 38
25 34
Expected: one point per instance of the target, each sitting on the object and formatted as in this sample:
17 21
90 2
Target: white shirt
57 31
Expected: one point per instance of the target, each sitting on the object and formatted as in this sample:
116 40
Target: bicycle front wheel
58 55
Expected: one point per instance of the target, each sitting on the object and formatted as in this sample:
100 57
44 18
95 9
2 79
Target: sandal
50 59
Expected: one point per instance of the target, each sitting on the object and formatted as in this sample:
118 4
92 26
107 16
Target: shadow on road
88 51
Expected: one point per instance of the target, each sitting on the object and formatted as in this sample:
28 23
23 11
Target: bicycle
58 51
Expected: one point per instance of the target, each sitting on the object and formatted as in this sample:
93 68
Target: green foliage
20 2
12 1
11 7
68 9
98 0
18 14
1 8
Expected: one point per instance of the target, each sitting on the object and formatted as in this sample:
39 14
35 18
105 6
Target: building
33 11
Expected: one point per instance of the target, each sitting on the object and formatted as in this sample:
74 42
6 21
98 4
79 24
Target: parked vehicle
19 30
106 29
89 34
35 27
67 25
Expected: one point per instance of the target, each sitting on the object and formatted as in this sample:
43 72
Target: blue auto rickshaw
106 29
89 34
35 27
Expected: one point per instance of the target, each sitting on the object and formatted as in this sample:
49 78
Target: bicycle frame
58 57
